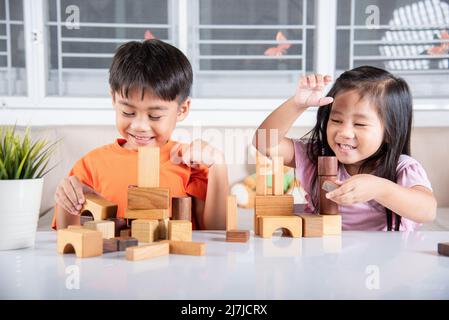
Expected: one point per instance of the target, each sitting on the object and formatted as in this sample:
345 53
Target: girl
365 121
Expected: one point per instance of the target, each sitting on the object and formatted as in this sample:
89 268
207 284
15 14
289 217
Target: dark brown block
125 233
85 218
119 224
125 242
327 166
443 248
327 206
312 225
182 208
237 235
110 245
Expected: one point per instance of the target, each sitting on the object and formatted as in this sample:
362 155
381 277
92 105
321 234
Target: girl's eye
126 114
360 125
335 121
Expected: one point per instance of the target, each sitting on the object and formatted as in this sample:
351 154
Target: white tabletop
355 265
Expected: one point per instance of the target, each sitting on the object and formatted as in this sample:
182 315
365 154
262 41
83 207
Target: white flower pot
20 202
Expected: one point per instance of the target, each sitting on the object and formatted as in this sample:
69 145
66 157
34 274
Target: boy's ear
183 109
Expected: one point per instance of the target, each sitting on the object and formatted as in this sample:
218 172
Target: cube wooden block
110 245
443 248
126 242
100 208
145 230
147 251
186 247
312 225
272 206
125 233
148 167
237 235
231 213
140 198
182 208
107 228
84 242
151 214
269 224
180 230
331 224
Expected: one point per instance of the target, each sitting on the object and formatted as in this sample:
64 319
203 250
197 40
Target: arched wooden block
85 242
100 208
269 224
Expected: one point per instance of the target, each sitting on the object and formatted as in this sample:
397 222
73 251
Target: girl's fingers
319 81
303 81
311 80
327 79
325 101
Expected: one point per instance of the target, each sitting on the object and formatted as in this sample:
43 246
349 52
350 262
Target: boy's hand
70 194
358 188
199 153
309 91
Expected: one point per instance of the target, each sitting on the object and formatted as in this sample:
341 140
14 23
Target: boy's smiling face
354 130
149 121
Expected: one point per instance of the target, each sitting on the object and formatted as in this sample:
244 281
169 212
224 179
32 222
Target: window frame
37 109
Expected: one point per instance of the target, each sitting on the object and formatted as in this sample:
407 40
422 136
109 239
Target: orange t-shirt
110 169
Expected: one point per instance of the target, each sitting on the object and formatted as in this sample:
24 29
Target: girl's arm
309 92
416 203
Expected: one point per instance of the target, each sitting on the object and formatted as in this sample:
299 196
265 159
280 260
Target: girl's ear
183 110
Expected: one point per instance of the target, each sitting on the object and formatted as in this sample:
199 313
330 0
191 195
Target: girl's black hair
393 99
151 65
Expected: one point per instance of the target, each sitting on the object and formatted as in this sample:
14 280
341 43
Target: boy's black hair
391 95
151 65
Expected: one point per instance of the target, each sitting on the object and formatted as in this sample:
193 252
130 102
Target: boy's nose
140 124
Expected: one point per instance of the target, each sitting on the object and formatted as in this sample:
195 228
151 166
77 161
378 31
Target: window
409 39
252 48
12 49
79 55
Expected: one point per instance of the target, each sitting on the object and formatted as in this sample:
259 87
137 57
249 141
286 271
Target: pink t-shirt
368 215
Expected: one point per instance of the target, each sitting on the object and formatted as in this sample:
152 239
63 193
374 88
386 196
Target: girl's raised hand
309 91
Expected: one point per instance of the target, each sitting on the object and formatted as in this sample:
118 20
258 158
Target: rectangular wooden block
231 213
74 226
278 176
107 228
148 167
312 225
180 230
145 230
237 235
151 214
443 248
99 207
262 171
140 198
186 247
126 242
270 205
84 242
110 245
147 251
331 224
269 224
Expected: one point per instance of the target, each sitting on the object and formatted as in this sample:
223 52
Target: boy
150 84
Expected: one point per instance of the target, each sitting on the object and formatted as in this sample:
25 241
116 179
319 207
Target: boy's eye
126 114
154 118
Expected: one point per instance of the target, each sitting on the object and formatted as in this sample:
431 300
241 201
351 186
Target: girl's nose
346 132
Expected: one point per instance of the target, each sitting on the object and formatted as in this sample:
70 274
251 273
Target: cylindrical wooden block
182 208
327 206
327 166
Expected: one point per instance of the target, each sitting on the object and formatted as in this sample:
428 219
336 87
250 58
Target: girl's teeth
346 146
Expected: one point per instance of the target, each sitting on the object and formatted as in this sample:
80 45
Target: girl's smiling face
354 130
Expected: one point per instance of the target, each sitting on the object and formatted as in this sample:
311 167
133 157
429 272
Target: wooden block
86 216
147 251
269 224
140 198
84 242
163 229
231 213
278 176
100 208
327 166
151 214
443 248
272 206
331 225
125 233
262 171
148 167
326 206
182 208
186 247
74 226
126 242
110 245
145 230
120 224
180 230
107 228
312 225
237 236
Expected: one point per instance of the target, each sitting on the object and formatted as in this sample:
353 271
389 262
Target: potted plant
23 163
